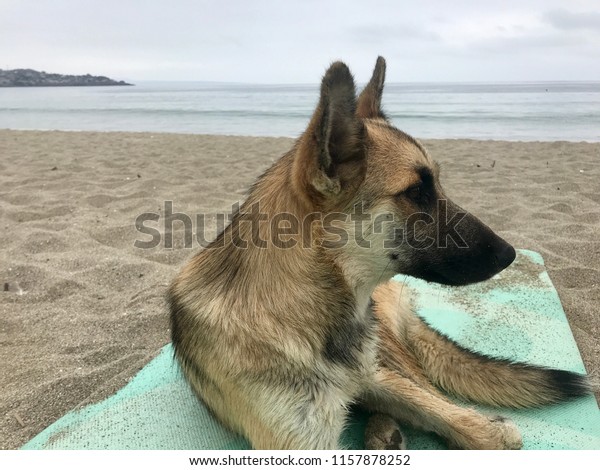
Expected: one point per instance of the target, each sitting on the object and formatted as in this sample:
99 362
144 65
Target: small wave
162 111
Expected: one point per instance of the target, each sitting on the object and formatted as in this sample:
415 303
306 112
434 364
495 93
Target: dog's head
352 161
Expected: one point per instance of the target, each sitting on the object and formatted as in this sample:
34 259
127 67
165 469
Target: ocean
545 111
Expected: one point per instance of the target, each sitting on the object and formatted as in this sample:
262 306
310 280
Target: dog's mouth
458 268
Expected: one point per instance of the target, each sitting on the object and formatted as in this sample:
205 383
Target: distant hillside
28 77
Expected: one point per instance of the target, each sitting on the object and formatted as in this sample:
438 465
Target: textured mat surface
516 315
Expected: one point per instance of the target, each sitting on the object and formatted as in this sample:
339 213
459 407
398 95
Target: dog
280 335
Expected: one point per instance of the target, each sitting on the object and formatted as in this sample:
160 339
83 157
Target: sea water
544 111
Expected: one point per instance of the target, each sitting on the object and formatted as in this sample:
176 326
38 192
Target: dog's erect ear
369 101
332 156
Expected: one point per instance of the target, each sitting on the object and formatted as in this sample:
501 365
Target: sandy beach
82 309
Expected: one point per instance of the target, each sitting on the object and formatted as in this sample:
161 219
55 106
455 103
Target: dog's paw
510 437
494 433
383 433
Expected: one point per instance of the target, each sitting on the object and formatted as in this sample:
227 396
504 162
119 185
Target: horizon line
317 83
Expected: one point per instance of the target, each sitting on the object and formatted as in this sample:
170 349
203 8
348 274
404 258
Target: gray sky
293 41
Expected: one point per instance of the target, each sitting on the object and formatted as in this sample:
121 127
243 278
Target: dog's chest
351 343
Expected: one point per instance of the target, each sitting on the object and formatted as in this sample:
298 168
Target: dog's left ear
369 101
331 163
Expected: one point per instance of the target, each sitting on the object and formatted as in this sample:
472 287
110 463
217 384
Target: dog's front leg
406 401
283 421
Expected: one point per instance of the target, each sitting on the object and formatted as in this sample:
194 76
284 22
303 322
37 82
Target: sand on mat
84 310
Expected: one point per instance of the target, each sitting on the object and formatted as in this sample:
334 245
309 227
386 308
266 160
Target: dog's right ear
369 101
331 160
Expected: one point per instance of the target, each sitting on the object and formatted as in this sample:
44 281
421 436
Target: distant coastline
33 78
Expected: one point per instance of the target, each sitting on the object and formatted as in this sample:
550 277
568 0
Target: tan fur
279 341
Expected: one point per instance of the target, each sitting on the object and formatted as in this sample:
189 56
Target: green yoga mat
516 315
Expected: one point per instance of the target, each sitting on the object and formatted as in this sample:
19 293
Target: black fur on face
443 243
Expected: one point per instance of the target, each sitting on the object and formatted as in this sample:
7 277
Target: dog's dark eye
415 192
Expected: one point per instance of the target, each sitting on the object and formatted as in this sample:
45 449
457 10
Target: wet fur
278 343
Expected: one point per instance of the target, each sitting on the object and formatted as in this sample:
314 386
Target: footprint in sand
562 207
13 287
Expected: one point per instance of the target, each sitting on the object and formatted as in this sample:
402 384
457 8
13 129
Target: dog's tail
490 381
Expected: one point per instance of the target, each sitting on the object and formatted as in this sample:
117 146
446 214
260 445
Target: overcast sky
293 41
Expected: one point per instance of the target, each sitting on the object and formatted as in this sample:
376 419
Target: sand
82 309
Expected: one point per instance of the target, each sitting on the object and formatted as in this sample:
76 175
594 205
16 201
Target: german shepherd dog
279 339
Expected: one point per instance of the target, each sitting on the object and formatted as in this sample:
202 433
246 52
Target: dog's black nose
505 256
